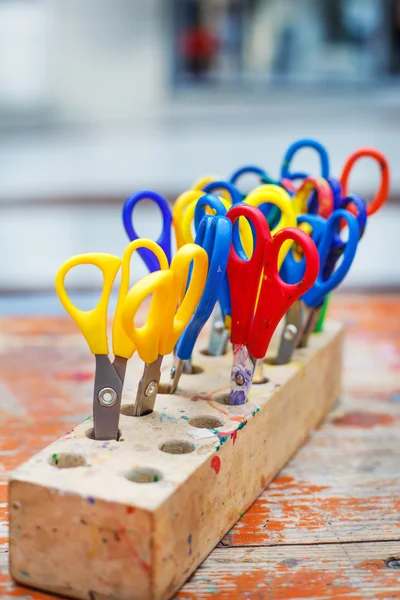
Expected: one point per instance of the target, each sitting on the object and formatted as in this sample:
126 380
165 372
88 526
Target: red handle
244 275
383 191
324 195
276 296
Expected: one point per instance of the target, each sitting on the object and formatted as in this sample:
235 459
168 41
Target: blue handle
336 189
338 245
295 147
164 240
210 201
214 235
315 296
264 177
235 195
292 269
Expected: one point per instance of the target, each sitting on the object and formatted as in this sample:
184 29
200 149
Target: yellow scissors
164 324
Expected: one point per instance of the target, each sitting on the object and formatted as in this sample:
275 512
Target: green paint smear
54 458
320 323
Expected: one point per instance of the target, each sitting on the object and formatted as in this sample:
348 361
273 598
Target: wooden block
133 519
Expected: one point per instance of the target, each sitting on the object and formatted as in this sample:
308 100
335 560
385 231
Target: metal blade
293 325
148 388
242 373
219 336
106 399
119 365
176 373
309 326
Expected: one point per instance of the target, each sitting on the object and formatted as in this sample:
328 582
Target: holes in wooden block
177 447
129 411
144 475
163 388
206 422
89 434
67 460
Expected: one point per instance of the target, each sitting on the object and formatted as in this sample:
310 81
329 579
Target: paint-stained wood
353 455
130 519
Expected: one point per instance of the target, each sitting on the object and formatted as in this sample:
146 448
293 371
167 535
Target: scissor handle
214 235
208 201
192 259
165 237
294 265
244 273
123 344
299 145
383 191
159 285
337 194
179 208
324 205
234 195
276 296
315 296
92 323
254 170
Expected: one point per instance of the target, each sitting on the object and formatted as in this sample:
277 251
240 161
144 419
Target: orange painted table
327 527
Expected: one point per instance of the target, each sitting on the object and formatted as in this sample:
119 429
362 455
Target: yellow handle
177 320
273 194
92 323
179 209
147 337
123 344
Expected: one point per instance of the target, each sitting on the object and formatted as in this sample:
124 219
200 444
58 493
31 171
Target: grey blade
219 336
148 388
188 367
242 373
106 399
119 365
312 318
290 335
176 373
258 376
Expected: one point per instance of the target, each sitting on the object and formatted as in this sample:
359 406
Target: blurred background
99 99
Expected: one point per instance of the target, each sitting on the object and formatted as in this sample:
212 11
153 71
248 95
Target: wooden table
327 527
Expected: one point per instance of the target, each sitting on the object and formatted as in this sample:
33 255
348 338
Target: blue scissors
299 145
214 234
338 245
164 240
302 316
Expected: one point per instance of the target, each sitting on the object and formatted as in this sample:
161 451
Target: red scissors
383 191
259 297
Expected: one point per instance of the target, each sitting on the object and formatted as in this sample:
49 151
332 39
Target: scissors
180 205
301 318
259 304
214 234
161 330
164 240
299 145
383 191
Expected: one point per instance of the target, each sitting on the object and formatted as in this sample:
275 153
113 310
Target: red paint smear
130 510
234 436
76 376
363 419
216 464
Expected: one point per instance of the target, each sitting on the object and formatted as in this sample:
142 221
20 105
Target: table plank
338 495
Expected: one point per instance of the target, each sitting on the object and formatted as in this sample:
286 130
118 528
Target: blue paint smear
92 500
165 417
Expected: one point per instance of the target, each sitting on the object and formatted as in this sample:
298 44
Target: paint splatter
130 510
77 376
234 436
190 544
91 500
363 419
216 464
165 417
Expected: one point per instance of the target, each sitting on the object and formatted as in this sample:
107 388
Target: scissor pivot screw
107 397
290 332
151 388
239 379
172 372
